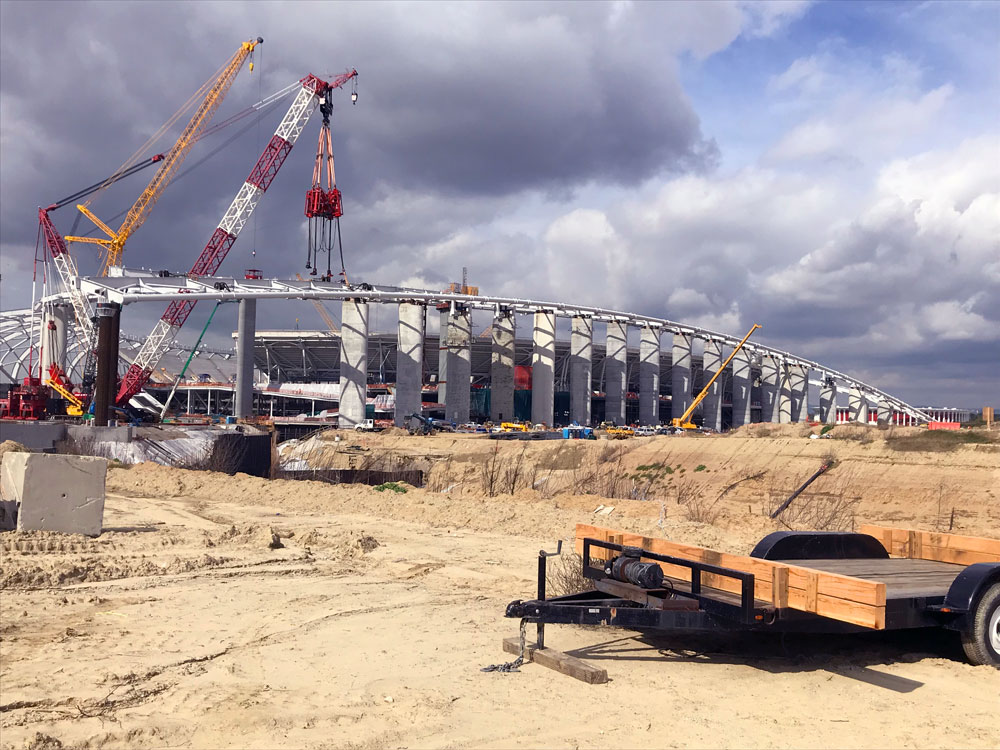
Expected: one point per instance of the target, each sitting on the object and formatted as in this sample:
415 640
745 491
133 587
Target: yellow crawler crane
684 420
212 93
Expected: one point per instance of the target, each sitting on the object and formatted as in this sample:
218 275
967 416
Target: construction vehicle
513 427
311 92
683 421
57 382
215 90
367 425
212 92
619 433
426 424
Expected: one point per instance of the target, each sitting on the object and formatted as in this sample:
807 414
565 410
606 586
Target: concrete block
55 492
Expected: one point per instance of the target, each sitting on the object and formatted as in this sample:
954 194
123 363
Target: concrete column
770 375
456 405
543 361
502 367
442 389
784 405
712 405
116 332
680 374
409 360
353 362
246 329
798 380
614 372
649 376
828 401
742 386
53 349
102 394
581 354
858 406
884 412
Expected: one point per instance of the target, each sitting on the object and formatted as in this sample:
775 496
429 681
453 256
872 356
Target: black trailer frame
690 606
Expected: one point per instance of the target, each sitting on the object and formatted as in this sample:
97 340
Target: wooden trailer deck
903 578
922 564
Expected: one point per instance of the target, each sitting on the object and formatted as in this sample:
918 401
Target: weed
564 575
700 467
391 486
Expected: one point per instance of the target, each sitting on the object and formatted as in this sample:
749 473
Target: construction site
435 517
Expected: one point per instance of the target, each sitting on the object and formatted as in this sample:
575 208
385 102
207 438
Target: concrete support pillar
353 362
884 413
102 393
858 406
784 405
712 405
581 353
680 374
828 401
246 329
770 376
543 361
649 376
798 381
409 360
742 386
116 332
502 367
442 384
53 349
456 405
615 373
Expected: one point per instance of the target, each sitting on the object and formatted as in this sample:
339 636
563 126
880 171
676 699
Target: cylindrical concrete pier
102 390
502 367
459 366
858 405
798 378
828 401
784 405
615 372
353 362
246 329
53 349
543 361
581 350
742 387
442 373
409 360
649 376
680 374
711 413
770 376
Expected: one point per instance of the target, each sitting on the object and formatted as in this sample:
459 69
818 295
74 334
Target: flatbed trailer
820 582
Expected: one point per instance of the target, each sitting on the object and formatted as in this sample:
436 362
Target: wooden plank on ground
557 660
937 546
833 595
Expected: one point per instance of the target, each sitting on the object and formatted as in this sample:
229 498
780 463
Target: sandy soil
186 625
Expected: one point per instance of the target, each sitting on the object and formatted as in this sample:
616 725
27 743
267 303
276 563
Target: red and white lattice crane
313 91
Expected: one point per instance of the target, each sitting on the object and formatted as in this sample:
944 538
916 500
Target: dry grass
564 576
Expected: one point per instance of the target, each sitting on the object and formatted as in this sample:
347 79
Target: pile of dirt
11 446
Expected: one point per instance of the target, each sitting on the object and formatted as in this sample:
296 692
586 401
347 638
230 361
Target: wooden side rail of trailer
875 579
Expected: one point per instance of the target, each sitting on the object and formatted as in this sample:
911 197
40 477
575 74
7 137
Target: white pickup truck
366 425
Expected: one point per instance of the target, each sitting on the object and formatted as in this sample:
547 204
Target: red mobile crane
313 91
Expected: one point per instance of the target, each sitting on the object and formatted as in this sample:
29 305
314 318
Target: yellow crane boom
682 421
217 88
321 309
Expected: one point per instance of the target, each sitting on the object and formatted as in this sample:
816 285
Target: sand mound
11 446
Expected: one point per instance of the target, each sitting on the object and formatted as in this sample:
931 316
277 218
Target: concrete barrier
55 492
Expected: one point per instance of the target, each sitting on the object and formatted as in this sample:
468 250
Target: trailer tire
981 637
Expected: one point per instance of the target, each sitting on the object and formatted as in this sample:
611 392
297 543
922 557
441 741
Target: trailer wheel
981 638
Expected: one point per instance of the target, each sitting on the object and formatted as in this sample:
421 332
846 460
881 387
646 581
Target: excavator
684 421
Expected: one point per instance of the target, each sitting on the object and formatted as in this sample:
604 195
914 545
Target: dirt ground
222 611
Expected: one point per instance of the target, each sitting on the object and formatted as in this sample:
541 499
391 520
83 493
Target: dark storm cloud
456 101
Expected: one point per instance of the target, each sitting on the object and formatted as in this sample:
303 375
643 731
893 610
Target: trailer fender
819 545
966 590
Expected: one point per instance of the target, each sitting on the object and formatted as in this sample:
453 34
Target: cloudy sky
829 170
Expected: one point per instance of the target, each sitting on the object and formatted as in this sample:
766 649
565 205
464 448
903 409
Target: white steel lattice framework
129 290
